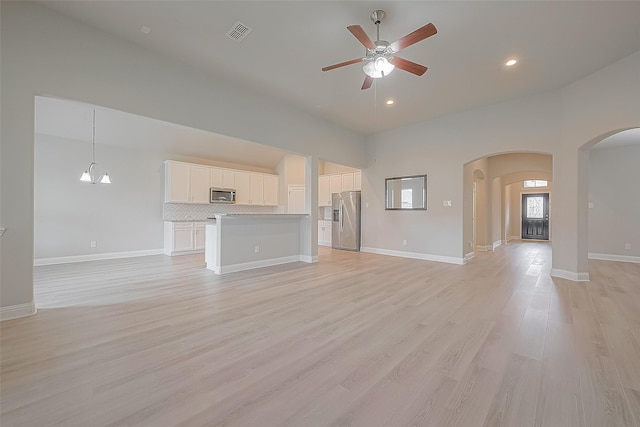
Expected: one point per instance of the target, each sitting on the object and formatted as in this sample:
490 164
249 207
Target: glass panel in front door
535 207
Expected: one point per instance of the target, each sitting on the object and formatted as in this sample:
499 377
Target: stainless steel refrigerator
345 224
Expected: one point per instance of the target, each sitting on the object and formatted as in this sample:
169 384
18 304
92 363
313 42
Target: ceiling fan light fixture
89 175
378 67
380 59
105 179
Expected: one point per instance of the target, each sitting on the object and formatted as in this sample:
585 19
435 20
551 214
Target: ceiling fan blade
362 37
409 66
414 37
367 82
342 64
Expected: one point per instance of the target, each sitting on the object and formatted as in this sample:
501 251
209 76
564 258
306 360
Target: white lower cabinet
324 233
198 236
183 237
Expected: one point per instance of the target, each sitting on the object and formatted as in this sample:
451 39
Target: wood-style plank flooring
357 339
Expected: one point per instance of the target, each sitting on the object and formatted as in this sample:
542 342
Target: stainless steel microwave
222 195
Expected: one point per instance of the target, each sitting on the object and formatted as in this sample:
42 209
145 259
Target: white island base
242 241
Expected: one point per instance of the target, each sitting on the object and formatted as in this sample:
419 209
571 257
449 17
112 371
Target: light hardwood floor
357 339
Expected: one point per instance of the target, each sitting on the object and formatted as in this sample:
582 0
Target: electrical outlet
257 249
590 205
627 245
94 243
404 242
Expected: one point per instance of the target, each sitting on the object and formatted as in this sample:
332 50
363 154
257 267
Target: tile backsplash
192 212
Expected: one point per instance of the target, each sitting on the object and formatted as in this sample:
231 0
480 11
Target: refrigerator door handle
341 216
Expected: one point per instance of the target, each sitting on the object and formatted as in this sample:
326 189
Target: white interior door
296 199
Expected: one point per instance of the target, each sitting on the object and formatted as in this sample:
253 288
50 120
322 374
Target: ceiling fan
380 59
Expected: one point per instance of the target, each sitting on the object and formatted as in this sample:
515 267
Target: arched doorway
490 186
608 177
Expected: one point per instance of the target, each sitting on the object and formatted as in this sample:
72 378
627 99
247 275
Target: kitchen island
236 242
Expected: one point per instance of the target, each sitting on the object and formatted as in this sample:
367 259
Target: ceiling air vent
238 32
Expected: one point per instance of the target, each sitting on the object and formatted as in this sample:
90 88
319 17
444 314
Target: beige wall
614 177
328 168
559 123
44 53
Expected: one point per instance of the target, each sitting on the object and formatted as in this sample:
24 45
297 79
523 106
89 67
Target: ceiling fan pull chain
375 98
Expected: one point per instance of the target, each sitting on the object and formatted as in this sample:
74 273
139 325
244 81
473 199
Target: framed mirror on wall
406 193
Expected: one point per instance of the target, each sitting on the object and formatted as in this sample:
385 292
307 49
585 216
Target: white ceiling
557 42
73 120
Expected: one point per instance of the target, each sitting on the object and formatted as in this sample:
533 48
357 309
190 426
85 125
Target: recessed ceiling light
390 102
145 29
511 62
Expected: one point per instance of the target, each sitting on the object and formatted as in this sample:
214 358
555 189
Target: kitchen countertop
187 220
260 215
212 218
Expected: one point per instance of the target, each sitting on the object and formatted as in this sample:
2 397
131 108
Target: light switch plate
590 205
446 203
2 230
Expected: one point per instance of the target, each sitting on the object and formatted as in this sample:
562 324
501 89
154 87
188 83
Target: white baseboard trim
17 311
570 275
325 244
468 257
483 248
510 238
309 259
496 244
233 268
95 257
414 255
612 257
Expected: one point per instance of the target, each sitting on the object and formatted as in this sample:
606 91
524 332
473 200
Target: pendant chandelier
89 175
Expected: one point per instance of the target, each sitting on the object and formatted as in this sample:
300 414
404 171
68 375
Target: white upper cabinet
254 188
223 178
190 183
200 184
271 190
256 185
177 183
357 181
216 178
347 181
335 183
243 188
228 179
324 194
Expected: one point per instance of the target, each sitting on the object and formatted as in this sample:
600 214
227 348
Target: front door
535 216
